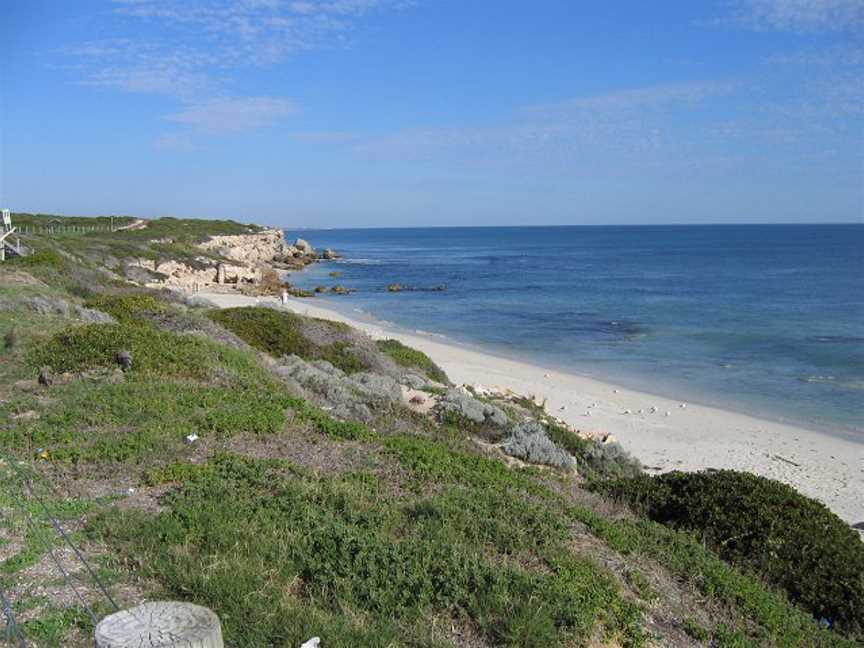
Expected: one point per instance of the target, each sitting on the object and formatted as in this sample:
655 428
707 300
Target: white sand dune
690 437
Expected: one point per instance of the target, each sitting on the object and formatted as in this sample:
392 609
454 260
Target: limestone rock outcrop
251 249
245 258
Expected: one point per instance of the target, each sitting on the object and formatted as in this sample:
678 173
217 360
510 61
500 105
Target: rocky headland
236 261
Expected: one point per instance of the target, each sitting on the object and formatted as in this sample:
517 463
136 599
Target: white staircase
11 245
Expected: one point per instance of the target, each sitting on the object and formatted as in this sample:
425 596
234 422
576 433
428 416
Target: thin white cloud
323 137
800 15
174 142
233 115
203 45
625 123
666 126
838 56
651 97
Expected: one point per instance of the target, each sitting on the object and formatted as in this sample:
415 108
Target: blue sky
327 113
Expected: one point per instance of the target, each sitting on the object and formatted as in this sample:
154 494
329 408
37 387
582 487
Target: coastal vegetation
407 357
279 333
763 526
269 466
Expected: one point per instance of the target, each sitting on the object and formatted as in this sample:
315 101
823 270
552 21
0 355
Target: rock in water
304 246
162 625
329 254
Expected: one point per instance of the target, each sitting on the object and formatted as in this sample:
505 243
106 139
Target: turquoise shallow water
768 320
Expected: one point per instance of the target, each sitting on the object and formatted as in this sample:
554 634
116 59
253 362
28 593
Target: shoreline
690 437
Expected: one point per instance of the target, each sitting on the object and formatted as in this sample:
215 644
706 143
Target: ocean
762 319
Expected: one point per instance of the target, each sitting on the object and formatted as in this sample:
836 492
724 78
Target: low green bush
766 614
282 555
45 257
153 352
146 416
595 460
405 356
129 308
279 333
761 525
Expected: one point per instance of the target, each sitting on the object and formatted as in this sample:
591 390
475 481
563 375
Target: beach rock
350 396
378 386
414 381
466 406
304 246
329 255
529 442
253 248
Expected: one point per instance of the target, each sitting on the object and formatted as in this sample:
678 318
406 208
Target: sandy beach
664 434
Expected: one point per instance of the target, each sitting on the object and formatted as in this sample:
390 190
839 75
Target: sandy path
690 437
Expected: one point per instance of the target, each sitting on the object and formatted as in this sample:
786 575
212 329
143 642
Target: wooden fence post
162 624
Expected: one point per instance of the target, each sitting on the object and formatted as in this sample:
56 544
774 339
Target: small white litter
191 438
314 642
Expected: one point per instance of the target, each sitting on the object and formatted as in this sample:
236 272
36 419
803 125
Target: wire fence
12 632
64 229
44 527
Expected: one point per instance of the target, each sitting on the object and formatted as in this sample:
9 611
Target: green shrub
405 356
768 616
153 352
280 555
44 257
759 524
129 308
146 416
279 333
174 472
595 460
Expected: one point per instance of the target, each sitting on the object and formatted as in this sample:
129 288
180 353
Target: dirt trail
137 224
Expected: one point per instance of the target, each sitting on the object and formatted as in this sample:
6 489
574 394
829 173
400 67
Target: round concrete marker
160 625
